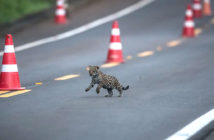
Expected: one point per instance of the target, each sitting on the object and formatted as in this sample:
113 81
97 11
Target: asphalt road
168 89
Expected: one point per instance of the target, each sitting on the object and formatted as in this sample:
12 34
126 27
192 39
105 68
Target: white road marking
85 27
192 128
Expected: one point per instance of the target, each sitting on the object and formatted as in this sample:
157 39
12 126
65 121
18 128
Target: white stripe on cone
60 2
9 49
60 12
207 1
189 13
197 6
9 68
189 24
115 46
115 31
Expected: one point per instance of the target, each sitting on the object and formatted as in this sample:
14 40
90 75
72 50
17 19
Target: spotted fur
104 81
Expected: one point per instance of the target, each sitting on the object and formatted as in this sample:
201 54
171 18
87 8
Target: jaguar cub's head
93 70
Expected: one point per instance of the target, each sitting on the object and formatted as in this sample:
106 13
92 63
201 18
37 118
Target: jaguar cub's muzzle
92 74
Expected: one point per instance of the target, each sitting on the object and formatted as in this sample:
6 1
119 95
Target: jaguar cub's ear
97 67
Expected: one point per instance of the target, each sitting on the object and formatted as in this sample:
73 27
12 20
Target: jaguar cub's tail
125 88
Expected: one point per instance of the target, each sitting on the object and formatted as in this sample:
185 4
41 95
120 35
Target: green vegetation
11 10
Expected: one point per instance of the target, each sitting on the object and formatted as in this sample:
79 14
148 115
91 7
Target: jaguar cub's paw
86 90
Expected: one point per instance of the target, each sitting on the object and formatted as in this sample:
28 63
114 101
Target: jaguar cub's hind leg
110 93
120 91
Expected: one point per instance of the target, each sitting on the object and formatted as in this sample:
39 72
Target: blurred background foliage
11 10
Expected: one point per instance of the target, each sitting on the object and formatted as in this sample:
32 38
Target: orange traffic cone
9 78
60 15
197 9
189 25
207 8
115 48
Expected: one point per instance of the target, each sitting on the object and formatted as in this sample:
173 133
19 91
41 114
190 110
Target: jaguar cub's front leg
110 93
98 88
89 87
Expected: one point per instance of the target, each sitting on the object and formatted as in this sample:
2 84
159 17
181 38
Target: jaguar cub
104 81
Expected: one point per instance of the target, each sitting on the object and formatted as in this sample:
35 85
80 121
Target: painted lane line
198 31
109 65
192 128
66 77
14 93
145 53
173 43
38 83
85 27
129 57
159 48
2 92
212 21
